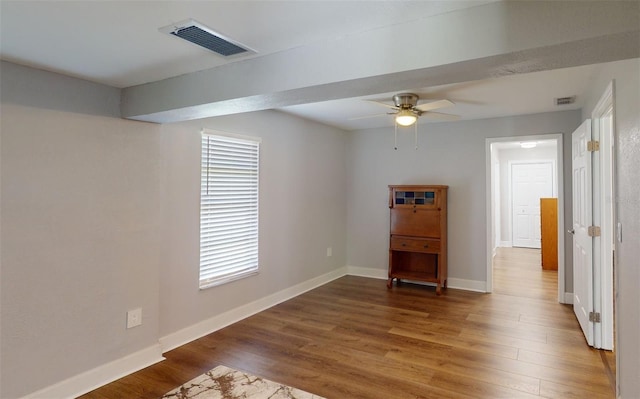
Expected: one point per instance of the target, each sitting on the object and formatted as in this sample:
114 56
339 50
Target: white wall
100 216
627 272
452 154
518 154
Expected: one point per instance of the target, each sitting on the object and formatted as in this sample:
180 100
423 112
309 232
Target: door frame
604 215
558 137
554 188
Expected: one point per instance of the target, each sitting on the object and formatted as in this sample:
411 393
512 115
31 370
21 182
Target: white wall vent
203 36
565 100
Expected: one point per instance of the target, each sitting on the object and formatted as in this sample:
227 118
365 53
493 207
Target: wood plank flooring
353 338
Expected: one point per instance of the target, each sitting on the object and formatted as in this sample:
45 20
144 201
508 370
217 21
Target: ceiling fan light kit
406 117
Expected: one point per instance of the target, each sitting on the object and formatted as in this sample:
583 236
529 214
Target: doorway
501 151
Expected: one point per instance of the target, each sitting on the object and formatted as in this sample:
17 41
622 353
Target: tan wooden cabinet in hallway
549 233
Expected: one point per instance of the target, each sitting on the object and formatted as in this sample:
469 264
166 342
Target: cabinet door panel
412 244
415 222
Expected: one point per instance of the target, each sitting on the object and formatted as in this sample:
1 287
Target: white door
582 219
529 183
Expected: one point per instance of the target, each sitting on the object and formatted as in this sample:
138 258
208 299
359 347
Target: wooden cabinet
418 234
549 233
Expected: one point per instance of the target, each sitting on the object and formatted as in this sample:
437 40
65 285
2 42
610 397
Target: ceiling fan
407 109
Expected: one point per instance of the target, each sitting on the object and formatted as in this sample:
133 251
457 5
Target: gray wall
451 154
627 271
81 201
100 216
302 212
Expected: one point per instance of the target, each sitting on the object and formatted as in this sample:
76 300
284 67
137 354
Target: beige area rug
226 383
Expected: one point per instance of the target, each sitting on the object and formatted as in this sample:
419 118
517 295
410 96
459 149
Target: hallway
517 272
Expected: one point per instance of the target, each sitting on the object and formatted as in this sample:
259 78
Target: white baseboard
457 283
506 244
370 272
99 376
467 285
568 298
227 318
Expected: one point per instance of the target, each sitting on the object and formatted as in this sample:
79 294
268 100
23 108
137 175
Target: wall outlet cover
134 318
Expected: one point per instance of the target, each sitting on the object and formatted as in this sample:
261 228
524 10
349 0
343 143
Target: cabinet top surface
412 186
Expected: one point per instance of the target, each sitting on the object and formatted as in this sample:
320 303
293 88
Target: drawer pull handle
404 245
426 245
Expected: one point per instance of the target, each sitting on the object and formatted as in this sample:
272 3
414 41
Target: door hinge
593 145
594 317
594 231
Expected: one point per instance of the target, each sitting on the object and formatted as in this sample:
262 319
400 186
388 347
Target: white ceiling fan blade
439 116
383 104
366 117
434 105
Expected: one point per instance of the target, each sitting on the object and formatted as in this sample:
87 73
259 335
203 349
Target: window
228 208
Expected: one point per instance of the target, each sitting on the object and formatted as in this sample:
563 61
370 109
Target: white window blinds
228 208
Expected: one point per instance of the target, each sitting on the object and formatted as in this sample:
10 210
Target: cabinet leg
389 282
438 289
445 284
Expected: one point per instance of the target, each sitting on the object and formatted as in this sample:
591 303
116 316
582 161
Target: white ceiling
118 43
516 145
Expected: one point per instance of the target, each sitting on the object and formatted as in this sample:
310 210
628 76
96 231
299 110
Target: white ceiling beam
491 40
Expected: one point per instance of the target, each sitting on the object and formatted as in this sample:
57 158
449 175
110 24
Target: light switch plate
619 231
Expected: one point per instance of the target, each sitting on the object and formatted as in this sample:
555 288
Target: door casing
604 215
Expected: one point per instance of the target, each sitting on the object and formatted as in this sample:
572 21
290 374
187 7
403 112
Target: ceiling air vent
201 35
565 100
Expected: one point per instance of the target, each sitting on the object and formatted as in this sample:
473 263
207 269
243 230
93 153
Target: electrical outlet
329 251
134 318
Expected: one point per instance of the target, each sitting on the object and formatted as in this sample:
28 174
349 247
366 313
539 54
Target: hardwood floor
353 338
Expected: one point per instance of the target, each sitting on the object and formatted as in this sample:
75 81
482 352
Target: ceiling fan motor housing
405 100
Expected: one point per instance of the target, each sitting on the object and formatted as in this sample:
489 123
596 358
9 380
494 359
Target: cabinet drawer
400 243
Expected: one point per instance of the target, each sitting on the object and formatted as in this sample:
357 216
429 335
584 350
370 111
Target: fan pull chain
395 137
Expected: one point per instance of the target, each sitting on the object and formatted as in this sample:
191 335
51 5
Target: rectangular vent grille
207 40
199 34
565 100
